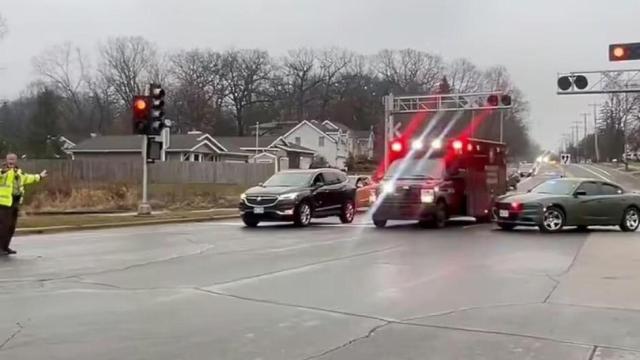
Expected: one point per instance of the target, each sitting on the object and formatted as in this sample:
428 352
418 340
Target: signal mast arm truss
449 102
599 82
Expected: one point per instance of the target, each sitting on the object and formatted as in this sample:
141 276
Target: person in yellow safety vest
12 182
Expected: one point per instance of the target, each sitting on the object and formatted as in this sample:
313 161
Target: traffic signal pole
144 208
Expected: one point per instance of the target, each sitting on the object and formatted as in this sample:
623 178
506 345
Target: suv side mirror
580 193
318 185
261 184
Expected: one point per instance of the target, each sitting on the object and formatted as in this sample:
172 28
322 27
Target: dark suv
298 196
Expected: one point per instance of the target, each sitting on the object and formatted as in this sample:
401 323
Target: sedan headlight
289 196
427 195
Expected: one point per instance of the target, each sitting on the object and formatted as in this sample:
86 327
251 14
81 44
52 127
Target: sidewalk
39 224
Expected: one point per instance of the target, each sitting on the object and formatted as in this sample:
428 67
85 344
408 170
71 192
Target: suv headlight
243 196
290 196
427 195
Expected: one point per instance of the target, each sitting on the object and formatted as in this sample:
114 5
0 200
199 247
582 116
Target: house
194 146
332 140
363 141
313 135
272 149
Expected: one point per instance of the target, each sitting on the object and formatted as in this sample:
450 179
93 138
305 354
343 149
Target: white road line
593 172
601 170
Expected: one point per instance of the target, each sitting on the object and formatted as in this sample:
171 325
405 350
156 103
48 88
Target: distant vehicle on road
557 203
299 196
552 174
526 169
365 190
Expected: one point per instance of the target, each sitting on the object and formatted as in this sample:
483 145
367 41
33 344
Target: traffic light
623 52
141 107
572 82
495 100
157 109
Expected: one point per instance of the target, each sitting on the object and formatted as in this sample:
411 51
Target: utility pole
595 131
576 125
584 142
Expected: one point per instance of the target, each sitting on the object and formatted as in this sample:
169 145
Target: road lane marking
593 172
601 170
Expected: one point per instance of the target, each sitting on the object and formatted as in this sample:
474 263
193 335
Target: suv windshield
289 179
416 169
556 187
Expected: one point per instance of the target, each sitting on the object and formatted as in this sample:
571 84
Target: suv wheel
348 212
302 214
630 220
250 220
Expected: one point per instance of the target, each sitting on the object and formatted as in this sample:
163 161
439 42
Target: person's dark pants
8 221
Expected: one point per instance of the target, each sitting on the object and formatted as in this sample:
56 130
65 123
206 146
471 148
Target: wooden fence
169 172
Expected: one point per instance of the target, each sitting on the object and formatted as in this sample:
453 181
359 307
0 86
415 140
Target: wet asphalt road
220 291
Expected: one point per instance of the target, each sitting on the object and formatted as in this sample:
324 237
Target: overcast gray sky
534 39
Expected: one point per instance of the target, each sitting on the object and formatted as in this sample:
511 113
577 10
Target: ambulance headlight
427 195
417 145
387 188
436 144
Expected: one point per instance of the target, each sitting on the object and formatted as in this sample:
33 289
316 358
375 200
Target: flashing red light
516 206
469 147
457 145
619 53
140 104
396 146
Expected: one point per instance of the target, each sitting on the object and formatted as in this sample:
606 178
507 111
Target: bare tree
200 87
334 64
4 28
409 70
247 76
64 67
302 76
127 64
464 76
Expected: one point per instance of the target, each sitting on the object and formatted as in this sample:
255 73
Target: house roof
361 134
133 143
246 141
314 125
339 125
123 143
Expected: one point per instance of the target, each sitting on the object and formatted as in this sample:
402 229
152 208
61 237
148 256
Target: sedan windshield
416 169
289 179
556 187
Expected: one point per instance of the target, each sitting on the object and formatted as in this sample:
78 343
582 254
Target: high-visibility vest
10 177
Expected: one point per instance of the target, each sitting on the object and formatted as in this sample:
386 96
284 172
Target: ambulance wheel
483 219
441 215
380 223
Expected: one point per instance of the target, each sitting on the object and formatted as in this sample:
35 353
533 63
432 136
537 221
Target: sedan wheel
303 214
630 220
552 220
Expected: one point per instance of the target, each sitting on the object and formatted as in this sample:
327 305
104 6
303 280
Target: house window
321 141
185 157
297 140
197 157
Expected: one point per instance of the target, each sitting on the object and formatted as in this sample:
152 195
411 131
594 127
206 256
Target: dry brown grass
109 197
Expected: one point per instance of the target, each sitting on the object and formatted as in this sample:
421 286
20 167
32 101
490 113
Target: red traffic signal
141 110
623 52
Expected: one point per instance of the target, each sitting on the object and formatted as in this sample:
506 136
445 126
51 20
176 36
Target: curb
67 228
